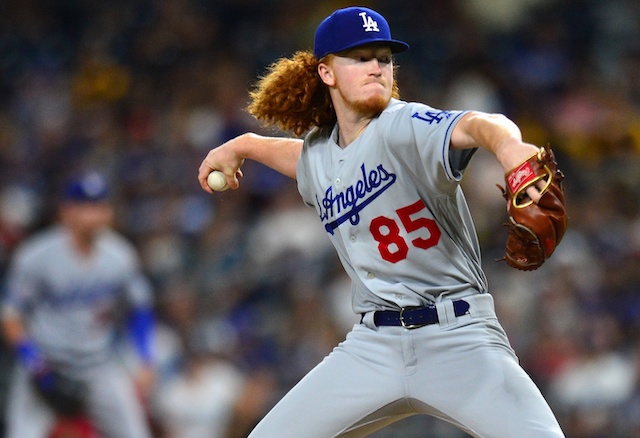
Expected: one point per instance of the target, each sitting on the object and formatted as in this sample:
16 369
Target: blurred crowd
250 295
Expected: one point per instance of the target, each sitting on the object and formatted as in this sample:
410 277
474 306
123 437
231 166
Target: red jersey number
386 231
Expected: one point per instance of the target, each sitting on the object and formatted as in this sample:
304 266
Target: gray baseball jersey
393 208
71 303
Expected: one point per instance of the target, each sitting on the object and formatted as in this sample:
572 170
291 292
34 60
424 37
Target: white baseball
217 181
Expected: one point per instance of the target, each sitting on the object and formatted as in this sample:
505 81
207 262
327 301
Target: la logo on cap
351 27
370 25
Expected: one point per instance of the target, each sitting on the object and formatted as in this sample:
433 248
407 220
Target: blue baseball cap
88 187
352 27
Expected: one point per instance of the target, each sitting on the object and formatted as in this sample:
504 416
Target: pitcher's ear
326 74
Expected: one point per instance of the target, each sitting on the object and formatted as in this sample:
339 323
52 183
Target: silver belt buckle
404 324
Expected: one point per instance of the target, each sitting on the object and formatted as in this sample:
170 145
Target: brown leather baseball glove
535 228
65 396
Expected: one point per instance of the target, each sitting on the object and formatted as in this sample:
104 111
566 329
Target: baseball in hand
216 181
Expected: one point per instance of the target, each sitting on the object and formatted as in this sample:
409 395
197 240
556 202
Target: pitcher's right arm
279 153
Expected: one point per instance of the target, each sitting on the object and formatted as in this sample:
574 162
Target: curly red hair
292 97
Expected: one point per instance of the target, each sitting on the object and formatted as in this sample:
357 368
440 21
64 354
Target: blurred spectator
596 382
199 401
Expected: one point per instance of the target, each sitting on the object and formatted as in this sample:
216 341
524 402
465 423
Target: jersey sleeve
137 287
423 135
302 170
301 177
20 285
139 290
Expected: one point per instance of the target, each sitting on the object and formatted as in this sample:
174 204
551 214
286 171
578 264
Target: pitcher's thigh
509 404
479 384
355 380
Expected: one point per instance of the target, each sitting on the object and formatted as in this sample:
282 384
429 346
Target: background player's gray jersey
396 214
73 302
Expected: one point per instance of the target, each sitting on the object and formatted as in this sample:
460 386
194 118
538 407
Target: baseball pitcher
384 177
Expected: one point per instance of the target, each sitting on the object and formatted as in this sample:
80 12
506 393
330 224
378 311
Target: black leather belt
415 317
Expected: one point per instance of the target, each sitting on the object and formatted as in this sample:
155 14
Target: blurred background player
66 293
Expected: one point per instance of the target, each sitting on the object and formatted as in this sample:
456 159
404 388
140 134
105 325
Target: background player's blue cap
352 27
88 187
